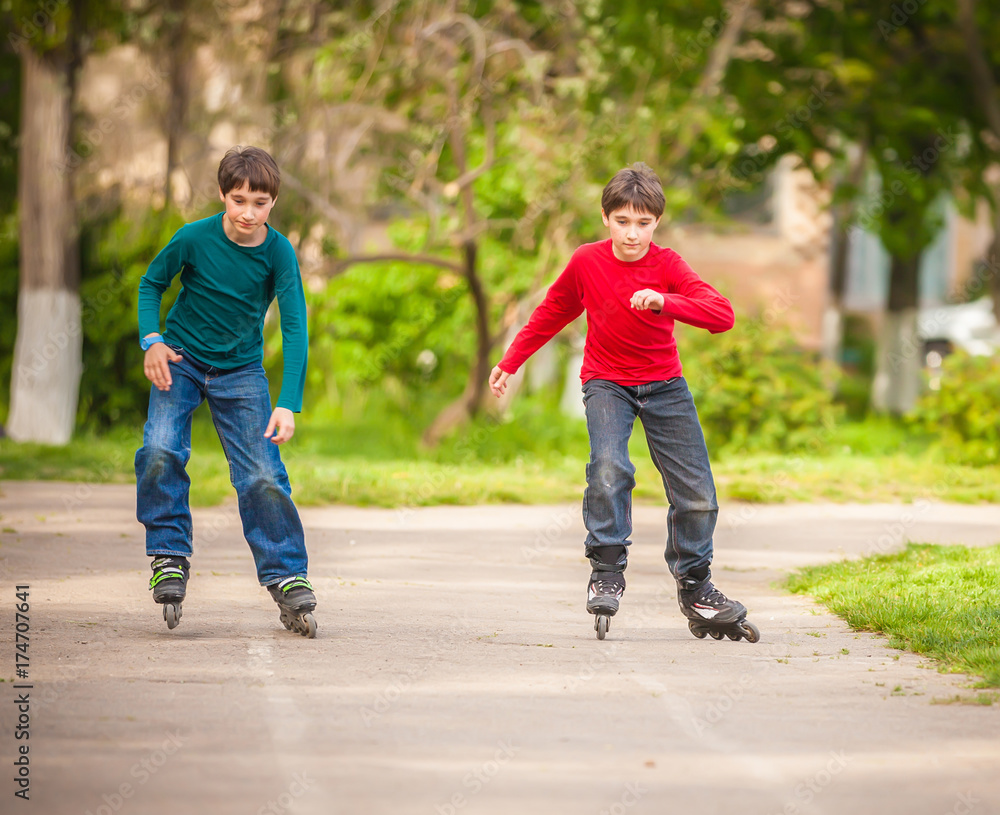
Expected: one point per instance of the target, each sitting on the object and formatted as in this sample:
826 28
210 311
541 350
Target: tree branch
983 82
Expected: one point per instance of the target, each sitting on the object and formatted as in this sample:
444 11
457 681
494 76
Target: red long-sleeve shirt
624 345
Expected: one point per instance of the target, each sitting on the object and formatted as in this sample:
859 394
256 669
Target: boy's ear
604 217
222 196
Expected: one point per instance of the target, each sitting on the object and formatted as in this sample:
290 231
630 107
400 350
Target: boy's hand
281 427
156 365
647 298
498 381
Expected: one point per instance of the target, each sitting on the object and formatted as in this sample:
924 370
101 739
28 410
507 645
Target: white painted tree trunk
832 334
47 367
900 359
45 380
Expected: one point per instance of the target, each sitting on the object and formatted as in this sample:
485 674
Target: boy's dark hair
635 186
249 164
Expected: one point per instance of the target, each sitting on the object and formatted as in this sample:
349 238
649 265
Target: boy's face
631 232
247 213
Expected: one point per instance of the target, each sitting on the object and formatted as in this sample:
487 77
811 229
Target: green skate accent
165 574
294 583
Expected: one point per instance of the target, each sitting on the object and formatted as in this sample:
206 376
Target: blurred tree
459 116
862 91
980 33
47 365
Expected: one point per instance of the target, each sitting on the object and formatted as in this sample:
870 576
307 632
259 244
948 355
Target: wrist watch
146 342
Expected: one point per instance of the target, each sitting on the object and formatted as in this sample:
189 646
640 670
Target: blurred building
775 263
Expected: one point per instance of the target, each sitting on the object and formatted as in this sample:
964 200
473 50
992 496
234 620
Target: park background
831 167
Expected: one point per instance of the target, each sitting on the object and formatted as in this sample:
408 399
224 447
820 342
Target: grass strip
940 601
322 473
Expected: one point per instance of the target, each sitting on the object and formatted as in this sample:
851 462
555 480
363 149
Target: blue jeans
677 447
241 408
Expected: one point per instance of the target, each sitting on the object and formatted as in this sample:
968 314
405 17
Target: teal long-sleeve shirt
226 290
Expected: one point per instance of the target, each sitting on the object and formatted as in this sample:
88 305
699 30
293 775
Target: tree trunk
481 370
900 352
179 58
993 258
471 401
45 380
840 242
833 315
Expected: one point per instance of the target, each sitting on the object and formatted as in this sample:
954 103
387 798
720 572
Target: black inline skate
169 586
295 599
710 612
603 594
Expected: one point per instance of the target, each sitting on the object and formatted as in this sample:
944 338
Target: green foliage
962 413
398 332
115 253
857 359
757 390
936 600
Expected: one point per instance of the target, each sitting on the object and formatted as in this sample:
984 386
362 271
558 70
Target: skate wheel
734 635
601 626
309 624
750 632
172 614
716 635
696 630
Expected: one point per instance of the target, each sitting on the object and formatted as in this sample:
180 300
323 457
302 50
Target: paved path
457 671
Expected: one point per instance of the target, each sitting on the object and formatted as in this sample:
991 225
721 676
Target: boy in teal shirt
232 266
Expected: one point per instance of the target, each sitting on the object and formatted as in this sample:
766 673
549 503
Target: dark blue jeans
677 446
241 408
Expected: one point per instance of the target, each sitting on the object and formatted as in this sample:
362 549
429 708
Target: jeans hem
277 580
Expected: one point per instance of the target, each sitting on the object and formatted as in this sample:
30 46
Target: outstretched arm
562 305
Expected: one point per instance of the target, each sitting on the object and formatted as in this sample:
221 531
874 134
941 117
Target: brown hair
635 186
249 165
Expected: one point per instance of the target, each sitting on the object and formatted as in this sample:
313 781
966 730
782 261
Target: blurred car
970 327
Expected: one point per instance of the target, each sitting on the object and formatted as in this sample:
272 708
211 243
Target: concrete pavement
456 670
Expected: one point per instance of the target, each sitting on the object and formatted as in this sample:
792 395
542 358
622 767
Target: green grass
380 462
941 601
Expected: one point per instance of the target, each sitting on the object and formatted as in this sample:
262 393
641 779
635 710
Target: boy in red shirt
633 291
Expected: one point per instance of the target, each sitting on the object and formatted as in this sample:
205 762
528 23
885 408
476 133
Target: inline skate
169 586
603 594
296 601
710 612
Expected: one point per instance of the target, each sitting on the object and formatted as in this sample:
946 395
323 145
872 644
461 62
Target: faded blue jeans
677 447
241 408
